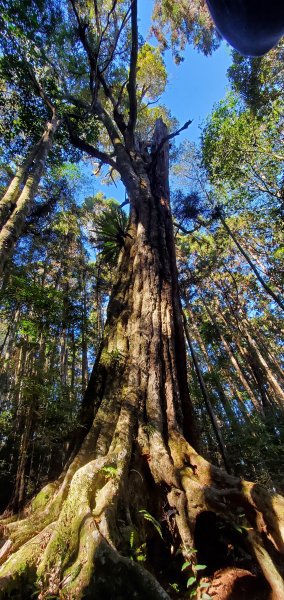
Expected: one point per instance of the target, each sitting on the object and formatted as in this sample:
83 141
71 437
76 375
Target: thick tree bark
137 454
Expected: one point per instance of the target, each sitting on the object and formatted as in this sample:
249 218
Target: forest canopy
141 347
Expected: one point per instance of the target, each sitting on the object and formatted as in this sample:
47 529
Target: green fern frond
111 230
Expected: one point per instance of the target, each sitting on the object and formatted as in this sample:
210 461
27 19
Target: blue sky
194 86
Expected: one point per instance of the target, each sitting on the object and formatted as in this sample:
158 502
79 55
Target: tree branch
39 88
131 87
171 136
123 23
124 203
89 149
155 154
179 226
82 35
96 74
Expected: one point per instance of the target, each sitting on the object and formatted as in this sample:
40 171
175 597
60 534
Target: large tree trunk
82 531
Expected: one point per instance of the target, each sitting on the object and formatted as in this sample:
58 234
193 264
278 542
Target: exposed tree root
76 555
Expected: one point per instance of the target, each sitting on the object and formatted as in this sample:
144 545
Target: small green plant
114 358
152 520
175 587
192 581
149 428
241 527
109 471
138 552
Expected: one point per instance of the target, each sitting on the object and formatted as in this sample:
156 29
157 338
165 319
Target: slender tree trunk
136 455
268 353
243 379
63 356
249 358
10 197
22 430
207 401
279 393
265 286
224 401
12 229
252 253
18 497
241 407
243 327
84 337
73 363
9 344
260 367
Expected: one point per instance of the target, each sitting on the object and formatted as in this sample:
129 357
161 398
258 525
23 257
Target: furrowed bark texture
79 536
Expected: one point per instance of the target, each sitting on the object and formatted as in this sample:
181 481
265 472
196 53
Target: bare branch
119 98
96 75
39 88
89 149
123 23
155 154
105 118
98 24
82 35
133 72
171 136
126 201
179 226
78 102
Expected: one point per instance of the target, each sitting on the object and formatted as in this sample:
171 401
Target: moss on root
42 498
18 574
79 553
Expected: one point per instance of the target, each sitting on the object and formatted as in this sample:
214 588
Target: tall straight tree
138 456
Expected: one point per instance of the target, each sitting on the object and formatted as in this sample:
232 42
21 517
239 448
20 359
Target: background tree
47 316
177 23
